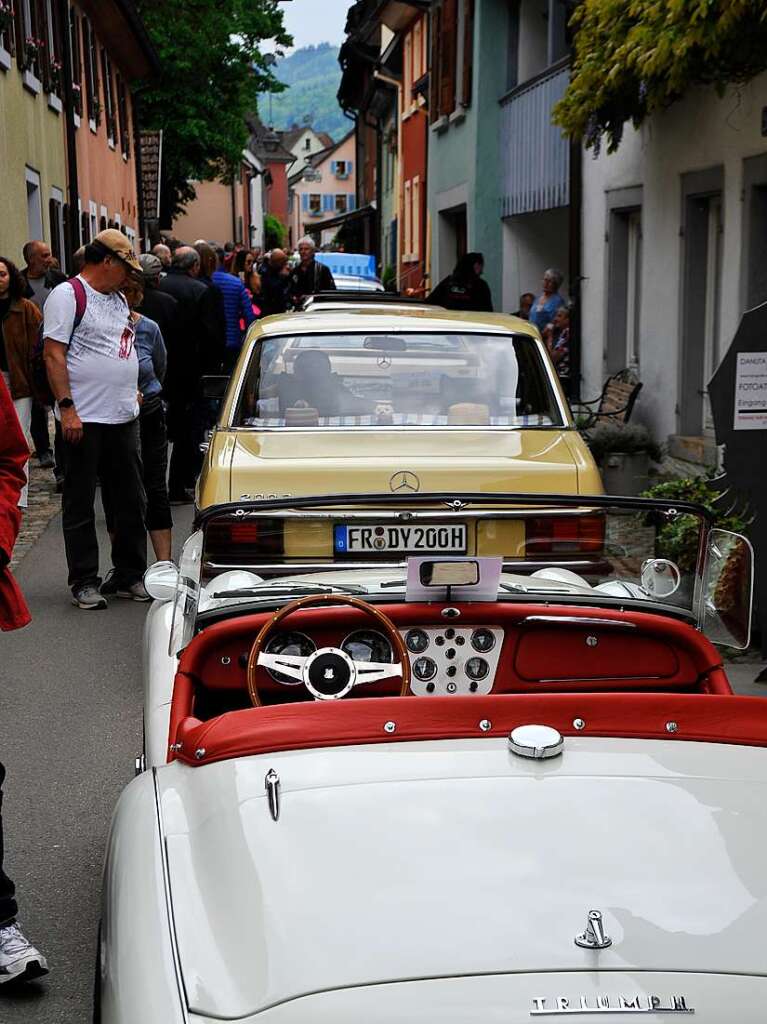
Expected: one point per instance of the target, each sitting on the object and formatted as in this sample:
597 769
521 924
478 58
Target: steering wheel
329 673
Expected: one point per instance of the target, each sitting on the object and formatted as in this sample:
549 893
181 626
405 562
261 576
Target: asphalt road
70 707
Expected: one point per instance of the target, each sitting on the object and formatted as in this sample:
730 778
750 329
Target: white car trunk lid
442 859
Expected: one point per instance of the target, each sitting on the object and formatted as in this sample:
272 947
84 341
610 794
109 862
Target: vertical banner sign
751 391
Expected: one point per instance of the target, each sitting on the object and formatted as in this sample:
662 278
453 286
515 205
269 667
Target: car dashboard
468 651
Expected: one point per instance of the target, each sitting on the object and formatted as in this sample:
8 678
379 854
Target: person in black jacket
309 277
464 289
275 284
40 278
198 350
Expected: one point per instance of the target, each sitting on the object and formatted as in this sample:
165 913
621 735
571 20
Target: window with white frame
56 221
75 50
315 202
415 219
109 97
91 72
6 34
407 234
34 205
340 203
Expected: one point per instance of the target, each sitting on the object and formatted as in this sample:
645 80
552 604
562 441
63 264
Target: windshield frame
438 505
556 395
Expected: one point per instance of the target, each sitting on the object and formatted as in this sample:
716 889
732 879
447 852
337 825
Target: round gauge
297 644
477 668
368 645
424 669
482 640
417 641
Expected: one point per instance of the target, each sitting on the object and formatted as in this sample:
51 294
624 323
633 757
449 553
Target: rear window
428 380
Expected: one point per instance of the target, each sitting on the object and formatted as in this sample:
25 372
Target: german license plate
445 538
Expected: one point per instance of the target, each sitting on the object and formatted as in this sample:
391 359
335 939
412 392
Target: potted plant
623 453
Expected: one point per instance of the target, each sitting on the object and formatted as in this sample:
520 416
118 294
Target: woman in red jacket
19 960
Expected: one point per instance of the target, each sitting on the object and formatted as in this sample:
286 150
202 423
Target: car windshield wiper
518 588
298 588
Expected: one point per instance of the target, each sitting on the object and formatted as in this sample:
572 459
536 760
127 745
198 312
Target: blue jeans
8 908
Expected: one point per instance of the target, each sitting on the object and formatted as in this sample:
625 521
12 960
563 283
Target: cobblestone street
44 504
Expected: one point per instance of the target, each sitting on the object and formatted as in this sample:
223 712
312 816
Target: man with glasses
92 368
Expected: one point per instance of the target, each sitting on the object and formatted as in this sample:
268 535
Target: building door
453 237
711 301
699 326
624 296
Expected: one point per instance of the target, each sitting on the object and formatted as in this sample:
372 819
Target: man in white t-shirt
92 368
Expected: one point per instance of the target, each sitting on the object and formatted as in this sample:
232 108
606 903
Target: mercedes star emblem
404 481
384 361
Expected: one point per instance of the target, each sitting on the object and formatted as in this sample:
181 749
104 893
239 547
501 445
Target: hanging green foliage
635 57
211 71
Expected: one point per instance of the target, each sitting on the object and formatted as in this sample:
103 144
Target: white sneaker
19 960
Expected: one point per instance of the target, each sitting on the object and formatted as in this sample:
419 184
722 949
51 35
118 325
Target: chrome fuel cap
536 741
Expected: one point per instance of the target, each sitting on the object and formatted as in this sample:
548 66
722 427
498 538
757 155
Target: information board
751 391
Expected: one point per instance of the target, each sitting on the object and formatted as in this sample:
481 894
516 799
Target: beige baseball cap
118 244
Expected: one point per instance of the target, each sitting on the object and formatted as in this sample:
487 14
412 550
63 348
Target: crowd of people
117 353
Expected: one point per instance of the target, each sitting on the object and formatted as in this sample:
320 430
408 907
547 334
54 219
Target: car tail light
231 542
551 534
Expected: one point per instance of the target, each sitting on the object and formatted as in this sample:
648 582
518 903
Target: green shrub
679 540
275 232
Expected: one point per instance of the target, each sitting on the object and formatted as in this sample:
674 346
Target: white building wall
699 132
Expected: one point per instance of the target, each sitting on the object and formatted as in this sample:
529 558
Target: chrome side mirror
660 577
727 590
161 580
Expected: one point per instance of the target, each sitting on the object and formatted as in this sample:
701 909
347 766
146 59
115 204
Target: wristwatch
65 403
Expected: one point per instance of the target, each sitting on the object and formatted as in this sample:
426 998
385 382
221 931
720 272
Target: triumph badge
581 1005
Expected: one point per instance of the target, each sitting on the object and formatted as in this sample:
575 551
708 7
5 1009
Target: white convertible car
431 788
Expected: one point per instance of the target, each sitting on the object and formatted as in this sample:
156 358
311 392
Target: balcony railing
536 156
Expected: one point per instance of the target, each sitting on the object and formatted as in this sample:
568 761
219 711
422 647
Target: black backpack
40 386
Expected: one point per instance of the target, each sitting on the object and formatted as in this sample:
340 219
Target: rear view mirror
214 387
727 590
449 574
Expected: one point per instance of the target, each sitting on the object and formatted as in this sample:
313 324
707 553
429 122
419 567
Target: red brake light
233 543
562 534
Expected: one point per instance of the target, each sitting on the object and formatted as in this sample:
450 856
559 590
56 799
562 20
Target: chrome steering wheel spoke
288 664
373 671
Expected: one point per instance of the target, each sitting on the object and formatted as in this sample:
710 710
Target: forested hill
312 75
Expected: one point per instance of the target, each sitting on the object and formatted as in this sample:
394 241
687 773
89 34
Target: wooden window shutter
468 52
436 40
45 57
21 48
447 69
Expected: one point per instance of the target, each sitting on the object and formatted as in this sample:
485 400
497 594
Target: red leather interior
642 651
546 650
705 718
